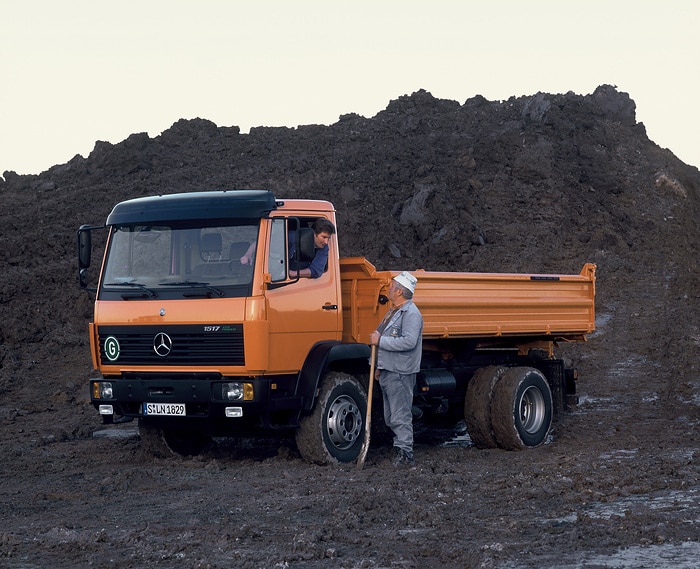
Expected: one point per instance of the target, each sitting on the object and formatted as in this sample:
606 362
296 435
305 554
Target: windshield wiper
195 284
147 291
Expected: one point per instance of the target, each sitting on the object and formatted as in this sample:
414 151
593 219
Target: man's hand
302 273
374 338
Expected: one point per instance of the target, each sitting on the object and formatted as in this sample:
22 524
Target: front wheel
164 443
334 432
521 408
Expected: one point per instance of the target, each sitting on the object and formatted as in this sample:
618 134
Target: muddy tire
187 443
152 441
521 409
166 443
477 406
334 432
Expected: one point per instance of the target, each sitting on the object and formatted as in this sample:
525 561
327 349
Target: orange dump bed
473 305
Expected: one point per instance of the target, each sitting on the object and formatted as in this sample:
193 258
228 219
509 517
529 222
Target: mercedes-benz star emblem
162 344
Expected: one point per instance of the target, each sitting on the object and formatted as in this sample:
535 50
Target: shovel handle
368 417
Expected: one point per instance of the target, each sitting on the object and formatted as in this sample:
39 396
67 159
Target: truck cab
189 338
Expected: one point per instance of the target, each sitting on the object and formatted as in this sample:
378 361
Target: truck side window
277 263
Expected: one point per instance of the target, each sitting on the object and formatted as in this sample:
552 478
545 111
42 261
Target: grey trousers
398 400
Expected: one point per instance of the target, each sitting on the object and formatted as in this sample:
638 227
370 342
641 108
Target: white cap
407 280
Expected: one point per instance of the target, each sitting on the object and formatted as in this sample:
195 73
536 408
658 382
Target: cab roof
223 204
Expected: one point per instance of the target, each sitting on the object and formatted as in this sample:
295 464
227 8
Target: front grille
186 345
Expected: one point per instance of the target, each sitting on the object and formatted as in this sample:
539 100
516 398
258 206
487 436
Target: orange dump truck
194 344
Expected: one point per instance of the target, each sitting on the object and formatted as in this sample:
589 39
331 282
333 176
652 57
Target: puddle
630 365
670 556
679 505
458 441
624 372
117 432
586 402
619 454
667 556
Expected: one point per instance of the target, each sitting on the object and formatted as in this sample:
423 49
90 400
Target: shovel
368 419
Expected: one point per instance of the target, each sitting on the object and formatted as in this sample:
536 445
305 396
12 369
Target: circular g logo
112 348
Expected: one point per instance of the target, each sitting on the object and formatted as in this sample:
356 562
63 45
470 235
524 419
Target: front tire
521 408
186 443
164 443
334 432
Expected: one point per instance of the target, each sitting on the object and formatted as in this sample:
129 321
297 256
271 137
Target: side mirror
83 278
84 248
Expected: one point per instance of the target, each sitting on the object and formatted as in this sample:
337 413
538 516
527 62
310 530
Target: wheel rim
532 409
344 422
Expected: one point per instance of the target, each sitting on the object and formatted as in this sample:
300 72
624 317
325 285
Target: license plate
164 409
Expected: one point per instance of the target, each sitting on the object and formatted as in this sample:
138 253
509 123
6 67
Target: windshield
179 260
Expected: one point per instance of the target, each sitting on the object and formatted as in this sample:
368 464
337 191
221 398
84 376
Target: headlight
232 391
102 390
237 391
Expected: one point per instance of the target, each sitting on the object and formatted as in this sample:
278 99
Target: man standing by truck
399 339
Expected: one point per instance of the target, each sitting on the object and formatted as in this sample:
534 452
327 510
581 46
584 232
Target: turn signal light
102 390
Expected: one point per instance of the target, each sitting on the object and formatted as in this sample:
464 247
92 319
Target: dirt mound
541 183
533 184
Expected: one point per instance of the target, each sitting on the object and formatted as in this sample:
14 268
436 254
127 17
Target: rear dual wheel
477 406
508 407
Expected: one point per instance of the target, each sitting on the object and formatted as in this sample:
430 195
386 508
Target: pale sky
73 72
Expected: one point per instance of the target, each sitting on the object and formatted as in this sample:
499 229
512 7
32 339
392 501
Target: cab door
300 311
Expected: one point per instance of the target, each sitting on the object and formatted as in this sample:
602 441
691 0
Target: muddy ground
534 184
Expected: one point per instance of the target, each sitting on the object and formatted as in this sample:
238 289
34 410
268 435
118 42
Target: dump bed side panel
466 305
